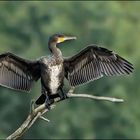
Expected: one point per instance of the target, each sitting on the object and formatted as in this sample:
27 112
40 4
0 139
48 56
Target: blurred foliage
24 30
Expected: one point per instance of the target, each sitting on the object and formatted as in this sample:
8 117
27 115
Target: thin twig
45 119
111 99
32 107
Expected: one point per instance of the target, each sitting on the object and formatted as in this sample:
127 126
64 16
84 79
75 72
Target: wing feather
18 73
92 63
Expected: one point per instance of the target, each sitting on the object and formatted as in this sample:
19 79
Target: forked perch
36 113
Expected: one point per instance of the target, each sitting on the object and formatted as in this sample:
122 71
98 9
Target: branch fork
37 113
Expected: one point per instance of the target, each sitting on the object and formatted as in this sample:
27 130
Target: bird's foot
48 103
63 96
41 99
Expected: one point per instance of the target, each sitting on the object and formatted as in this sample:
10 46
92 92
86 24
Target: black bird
89 64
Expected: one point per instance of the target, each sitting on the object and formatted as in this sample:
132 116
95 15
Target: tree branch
36 113
111 99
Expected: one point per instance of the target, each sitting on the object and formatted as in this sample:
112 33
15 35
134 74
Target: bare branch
32 117
111 99
45 119
36 113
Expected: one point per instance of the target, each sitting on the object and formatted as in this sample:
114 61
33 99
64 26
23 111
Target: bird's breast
54 74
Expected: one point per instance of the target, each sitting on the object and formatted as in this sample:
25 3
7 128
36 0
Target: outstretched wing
18 73
92 63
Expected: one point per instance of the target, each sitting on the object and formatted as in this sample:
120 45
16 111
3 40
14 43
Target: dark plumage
92 63
89 64
18 73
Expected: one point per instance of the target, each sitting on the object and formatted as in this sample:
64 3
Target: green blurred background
24 30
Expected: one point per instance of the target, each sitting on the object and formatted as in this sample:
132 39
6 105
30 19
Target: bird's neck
55 50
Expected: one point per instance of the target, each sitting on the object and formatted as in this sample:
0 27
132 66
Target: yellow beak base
61 39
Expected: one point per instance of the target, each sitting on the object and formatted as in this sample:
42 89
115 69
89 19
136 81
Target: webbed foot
62 95
48 102
41 99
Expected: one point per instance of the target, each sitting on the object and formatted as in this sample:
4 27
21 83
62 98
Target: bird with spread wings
91 63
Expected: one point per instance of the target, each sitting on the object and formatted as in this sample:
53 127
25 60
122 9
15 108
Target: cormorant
89 64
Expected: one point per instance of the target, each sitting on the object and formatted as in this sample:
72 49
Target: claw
48 102
47 106
62 95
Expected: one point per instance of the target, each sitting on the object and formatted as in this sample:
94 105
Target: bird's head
59 38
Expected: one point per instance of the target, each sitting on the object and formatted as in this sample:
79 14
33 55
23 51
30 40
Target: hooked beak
69 38
62 39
